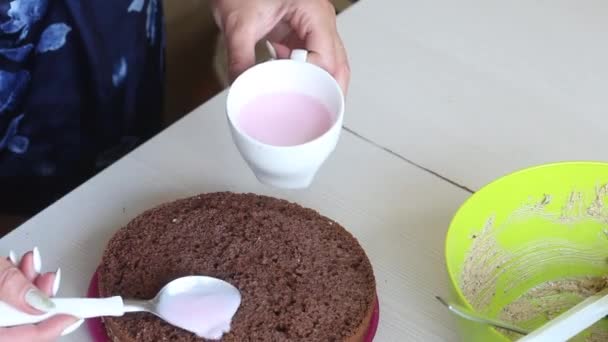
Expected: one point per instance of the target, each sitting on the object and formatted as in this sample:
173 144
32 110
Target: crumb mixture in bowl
529 246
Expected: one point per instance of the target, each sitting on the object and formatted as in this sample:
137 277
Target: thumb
240 38
20 293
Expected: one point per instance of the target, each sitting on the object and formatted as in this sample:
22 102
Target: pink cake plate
98 332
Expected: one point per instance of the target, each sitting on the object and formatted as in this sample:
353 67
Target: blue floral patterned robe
80 85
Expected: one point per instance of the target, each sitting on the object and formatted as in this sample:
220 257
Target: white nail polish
56 282
271 50
72 327
13 258
39 301
37 260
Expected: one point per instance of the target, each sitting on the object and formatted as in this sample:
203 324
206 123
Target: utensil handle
571 322
77 307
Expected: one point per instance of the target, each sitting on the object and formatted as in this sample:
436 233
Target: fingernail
39 301
13 258
56 282
271 50
72 327
37 260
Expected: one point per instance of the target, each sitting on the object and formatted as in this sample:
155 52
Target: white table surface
474 89
398 212
468 91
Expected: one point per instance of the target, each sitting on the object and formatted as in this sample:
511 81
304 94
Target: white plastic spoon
202 305
571 322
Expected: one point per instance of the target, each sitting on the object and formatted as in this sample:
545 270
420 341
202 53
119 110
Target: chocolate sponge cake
302 276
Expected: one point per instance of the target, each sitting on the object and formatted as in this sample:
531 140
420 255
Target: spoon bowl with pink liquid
202 305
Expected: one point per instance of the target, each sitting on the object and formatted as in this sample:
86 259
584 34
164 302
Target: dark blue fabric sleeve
81 84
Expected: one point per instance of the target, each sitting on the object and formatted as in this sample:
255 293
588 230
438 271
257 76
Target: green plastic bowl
544 223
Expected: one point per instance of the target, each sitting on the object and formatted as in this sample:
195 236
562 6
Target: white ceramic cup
289 167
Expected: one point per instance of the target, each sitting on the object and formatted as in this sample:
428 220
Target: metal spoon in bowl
202 305
471 316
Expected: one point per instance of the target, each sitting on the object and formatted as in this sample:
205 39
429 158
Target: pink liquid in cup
285 119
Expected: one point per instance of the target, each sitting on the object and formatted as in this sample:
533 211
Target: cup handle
299 55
